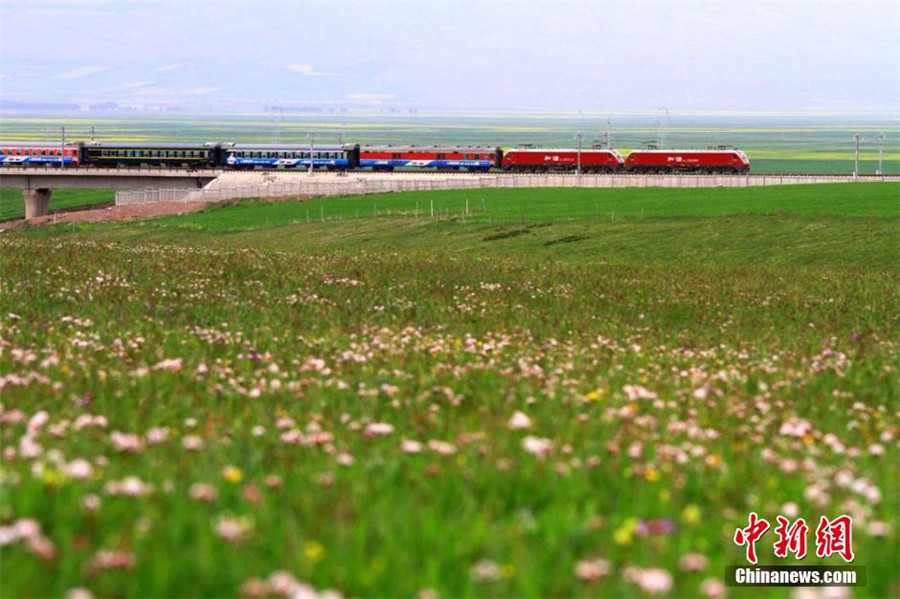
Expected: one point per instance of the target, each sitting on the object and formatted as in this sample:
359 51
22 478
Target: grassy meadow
559 393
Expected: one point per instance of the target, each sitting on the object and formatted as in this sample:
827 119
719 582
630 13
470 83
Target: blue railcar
290 156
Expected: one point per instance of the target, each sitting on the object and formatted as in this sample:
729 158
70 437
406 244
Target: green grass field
561 393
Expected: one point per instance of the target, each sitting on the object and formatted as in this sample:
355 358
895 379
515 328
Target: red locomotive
541 160
673 161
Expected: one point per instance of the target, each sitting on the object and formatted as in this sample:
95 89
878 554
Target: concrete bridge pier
37 202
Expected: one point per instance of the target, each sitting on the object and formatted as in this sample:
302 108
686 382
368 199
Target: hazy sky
538 55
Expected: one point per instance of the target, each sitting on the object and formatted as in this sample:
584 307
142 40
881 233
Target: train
384 158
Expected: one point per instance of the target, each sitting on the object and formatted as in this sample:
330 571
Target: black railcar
180 155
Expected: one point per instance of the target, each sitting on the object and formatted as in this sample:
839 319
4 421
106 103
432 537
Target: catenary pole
578 138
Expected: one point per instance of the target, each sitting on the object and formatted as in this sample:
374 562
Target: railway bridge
37 184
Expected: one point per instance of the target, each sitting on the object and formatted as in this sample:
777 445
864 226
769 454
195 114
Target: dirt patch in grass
109 214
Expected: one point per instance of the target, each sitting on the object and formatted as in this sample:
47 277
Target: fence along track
271 185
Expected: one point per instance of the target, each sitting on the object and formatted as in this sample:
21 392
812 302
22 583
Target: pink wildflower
233 529
537 446
693 562
126 443
79 469
203 492
485 571
192 442
634 392
591 570
519 421
172 365
411 447
441 447
378 428
38 420
130 486
713 588
111 560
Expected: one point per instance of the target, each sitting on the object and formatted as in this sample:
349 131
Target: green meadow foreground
557 393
